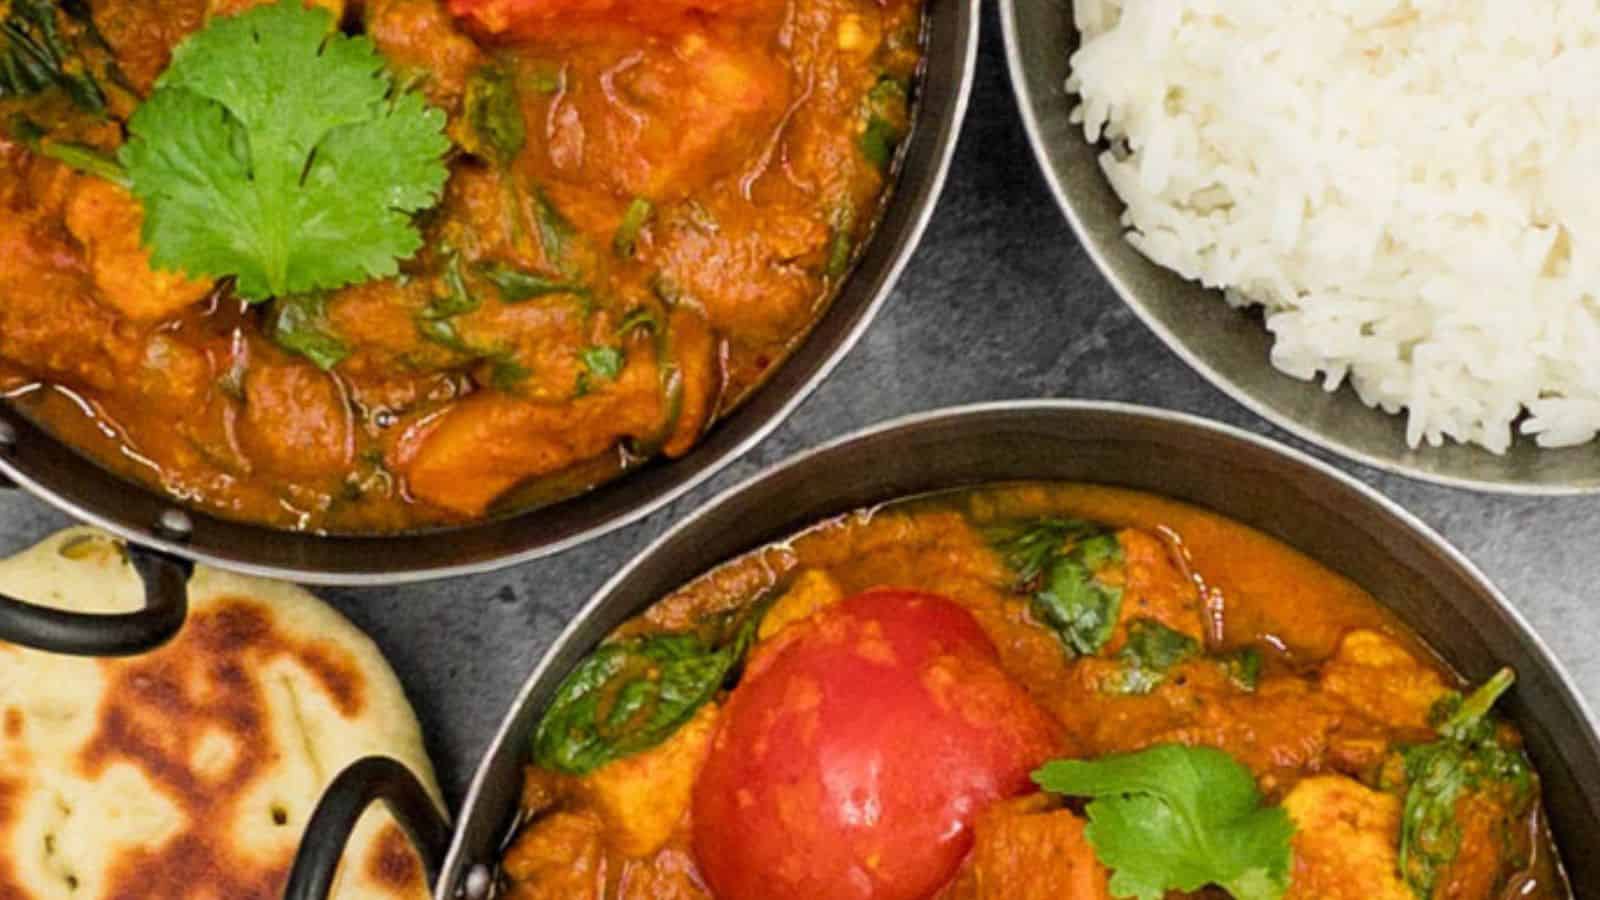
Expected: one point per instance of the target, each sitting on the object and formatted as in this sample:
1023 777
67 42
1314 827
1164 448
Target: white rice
1410 188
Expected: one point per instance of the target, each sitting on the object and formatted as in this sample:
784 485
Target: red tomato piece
855 756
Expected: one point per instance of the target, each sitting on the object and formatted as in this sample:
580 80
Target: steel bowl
1228 346
30 458
1287 494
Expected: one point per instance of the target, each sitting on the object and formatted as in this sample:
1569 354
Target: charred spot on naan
194 720
393 862
10 813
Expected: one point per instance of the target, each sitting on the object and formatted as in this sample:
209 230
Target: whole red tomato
852 760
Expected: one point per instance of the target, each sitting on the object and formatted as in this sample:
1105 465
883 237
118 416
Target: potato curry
371 266
1026 692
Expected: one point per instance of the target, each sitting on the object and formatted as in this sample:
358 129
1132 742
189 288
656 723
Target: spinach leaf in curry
519 285
1473 768
300 326
886 110
495 127
55 45
556 234
634 693
1071 569
1151 651
1243 667
436 321
83 158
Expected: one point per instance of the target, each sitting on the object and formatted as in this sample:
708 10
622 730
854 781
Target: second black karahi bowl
165 538
1307 504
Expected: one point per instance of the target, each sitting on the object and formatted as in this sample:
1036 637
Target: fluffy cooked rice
1410 189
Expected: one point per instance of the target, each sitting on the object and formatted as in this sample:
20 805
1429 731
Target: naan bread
189 773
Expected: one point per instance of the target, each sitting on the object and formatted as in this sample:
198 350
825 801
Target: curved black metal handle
342 805
166 604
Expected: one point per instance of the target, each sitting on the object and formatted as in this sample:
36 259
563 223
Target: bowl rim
943 133
1027 104
456 863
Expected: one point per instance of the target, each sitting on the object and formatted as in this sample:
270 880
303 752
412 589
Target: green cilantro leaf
600 364
1151 652
1073 571
301 327
278 151
1471 761
603 362
1243 667
1178 818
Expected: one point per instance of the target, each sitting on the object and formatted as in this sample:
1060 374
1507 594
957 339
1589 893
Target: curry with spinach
370 266
1026 692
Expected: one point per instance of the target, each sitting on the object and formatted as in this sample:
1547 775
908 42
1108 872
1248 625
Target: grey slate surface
999 303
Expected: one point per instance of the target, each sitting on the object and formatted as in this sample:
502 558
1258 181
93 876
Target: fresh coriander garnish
1471 764
279 151
1072 571
1151 652
599 364
1178 818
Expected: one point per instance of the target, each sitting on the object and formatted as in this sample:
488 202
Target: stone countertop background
1001 288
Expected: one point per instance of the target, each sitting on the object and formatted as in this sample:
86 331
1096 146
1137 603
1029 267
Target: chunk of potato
641 798
489 442
559 858
107 221
1383 680
1345 843
1027 850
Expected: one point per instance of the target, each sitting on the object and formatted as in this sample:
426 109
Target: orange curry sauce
1342 685
697 175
